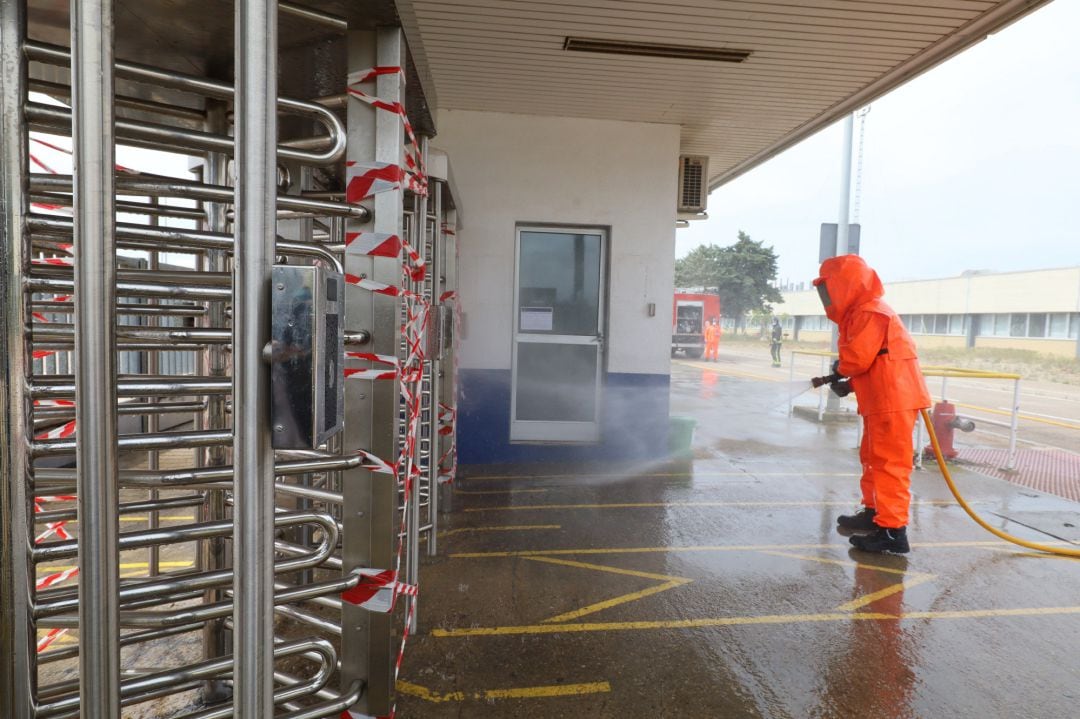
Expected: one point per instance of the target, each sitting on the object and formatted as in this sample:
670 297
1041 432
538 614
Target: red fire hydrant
946 422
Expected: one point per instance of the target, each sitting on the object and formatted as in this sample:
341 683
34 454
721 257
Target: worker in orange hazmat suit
877 361
712 340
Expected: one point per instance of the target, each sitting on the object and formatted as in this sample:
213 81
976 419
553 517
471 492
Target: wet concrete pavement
720 588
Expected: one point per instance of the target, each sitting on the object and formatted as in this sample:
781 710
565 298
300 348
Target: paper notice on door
536 319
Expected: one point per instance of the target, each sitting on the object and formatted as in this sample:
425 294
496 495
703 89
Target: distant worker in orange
877 361
712 340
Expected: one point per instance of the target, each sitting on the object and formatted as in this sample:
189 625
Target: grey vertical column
437 324
95 356
253 459
371 420
17 657
214 556
426 421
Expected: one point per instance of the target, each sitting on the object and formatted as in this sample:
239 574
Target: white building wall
514 169
1055 290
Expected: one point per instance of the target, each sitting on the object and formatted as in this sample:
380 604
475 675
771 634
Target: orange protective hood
849 282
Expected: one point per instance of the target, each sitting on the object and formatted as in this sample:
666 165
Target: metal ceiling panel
811 63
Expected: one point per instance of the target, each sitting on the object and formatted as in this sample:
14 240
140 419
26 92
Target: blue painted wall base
634 421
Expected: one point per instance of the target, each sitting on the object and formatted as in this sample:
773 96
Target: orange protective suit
712 341
878 354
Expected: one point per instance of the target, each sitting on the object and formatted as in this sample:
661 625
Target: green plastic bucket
681 437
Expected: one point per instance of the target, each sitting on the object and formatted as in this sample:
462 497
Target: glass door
558 335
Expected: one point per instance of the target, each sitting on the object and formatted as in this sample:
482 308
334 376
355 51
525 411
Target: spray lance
838 383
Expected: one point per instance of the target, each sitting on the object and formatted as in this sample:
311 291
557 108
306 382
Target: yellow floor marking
668 582
872 597
703 548
123 565
910 578
842 562
129 518
541 692
778 619
660 624
610 570
1030 553
615 601
653 505
499 491
507 528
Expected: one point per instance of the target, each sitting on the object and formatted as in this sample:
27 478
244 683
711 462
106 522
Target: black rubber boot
861 521
883 541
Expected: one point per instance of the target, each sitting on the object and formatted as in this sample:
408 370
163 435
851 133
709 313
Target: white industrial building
1029 310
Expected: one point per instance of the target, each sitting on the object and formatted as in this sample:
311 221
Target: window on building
1001 325
915 324
1037 325
1018 325
941 324
1059 326
958 324
1074 326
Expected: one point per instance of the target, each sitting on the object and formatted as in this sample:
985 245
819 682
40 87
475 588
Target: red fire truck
690 312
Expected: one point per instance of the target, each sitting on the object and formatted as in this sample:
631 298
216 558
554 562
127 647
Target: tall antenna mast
861 114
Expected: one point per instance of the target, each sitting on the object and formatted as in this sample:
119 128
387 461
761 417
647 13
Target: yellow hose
1060 551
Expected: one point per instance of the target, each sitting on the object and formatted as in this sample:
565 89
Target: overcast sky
974 165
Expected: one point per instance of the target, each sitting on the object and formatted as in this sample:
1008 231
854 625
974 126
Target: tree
740 274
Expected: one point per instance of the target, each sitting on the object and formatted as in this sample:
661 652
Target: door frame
549 431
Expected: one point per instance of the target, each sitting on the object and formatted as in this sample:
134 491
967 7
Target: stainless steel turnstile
222 386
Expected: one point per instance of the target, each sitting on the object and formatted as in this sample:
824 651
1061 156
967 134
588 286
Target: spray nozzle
827 379
839 384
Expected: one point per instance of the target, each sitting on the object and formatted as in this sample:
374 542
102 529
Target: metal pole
153 423
791 377
213 551
254 232
1014 426
918 441
95 356
18 677
833 402
435 325
845 188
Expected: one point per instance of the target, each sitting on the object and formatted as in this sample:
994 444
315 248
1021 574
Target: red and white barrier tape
49 638
62 432
377 590
57 578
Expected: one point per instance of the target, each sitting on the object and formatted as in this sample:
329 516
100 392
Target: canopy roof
810 61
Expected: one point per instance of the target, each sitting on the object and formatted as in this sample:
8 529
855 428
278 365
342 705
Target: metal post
18 678
825 397
213 554
95 355
1014 426
845 188
254 233
944 387
833 402
918 441
791 377
435 268
370 515
153 421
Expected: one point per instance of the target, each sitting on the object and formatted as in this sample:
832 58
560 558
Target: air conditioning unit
693 183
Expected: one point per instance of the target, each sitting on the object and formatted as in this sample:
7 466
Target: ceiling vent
650 49
693 183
